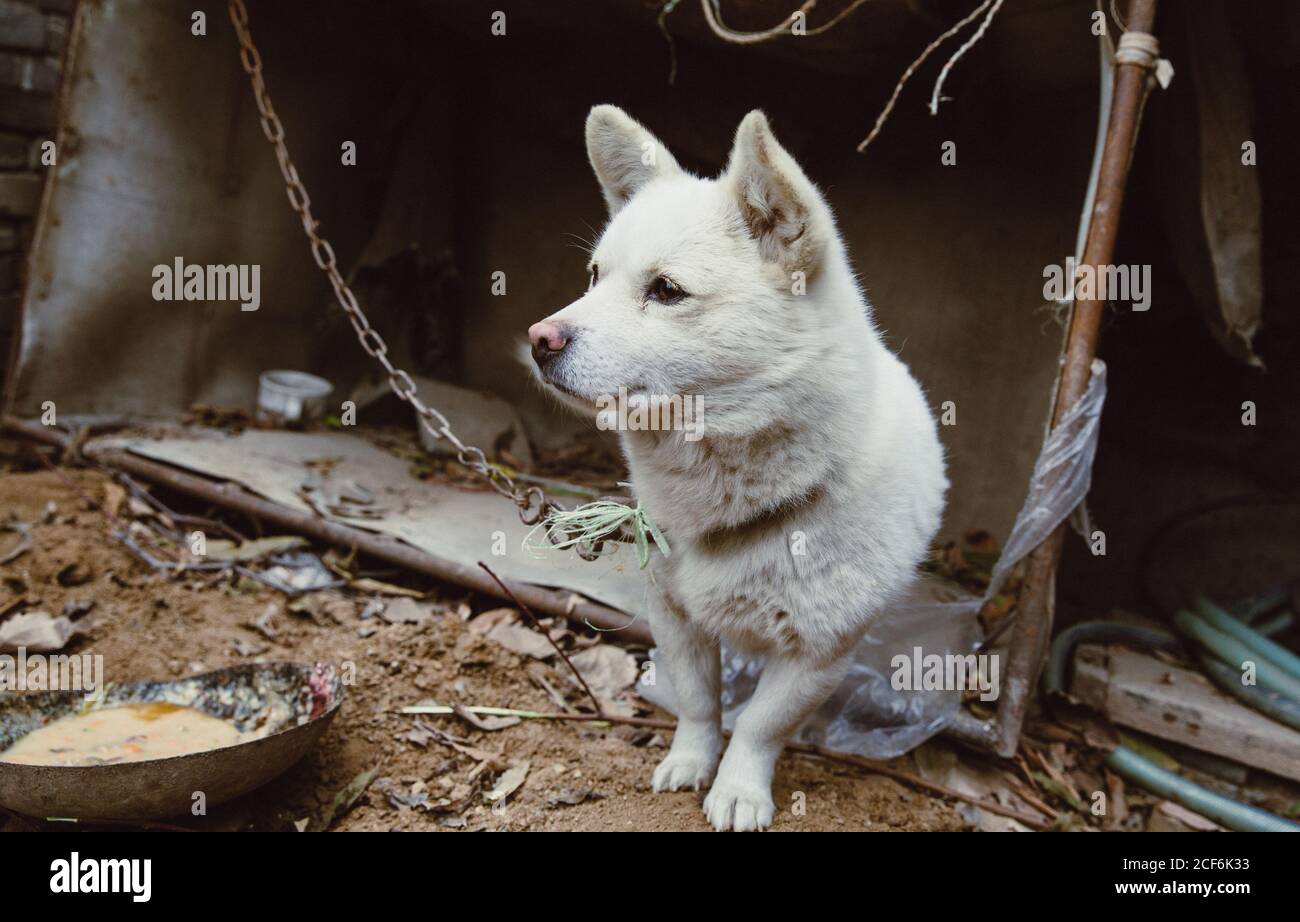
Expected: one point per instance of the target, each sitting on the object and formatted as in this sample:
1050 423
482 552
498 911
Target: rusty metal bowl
294 701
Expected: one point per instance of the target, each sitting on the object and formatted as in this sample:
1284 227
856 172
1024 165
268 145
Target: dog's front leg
694 665
789 689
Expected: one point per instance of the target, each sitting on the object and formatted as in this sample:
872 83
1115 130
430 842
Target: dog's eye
595 277
665 290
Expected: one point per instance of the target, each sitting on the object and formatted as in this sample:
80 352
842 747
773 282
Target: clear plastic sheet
866 715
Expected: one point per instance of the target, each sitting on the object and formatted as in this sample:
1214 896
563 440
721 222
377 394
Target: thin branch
595 702
912 68
970 42
713 15
662 20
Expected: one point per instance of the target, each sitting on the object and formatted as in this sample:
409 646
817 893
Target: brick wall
33 35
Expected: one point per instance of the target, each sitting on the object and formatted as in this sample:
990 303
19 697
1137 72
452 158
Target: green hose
1280 708
1235 653
1142 771
1252 609
1220 620
1275 624
1223 810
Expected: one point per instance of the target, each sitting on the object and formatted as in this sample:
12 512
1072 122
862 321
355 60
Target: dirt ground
580 777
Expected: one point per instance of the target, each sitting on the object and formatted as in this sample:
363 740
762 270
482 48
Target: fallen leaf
567 797
344 799
490 619
114 496
608 669
509 782
412 799
491 760
76 608
522 640
1181 814
420 736
263 623
302 606
244 648
37 631
407 611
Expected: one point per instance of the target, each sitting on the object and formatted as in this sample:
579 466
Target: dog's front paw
741 807
690 770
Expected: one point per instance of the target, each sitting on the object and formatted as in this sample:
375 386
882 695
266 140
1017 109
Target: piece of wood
1141 692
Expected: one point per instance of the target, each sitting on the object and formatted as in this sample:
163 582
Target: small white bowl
287 396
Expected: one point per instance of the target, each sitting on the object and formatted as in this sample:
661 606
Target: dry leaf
1181 814
509 782
38 631
490 619
407 611
522 640
114 496
608 669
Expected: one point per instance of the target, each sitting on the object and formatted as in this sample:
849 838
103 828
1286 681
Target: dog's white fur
816 438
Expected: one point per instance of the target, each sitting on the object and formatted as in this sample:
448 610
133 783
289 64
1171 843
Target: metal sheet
453 524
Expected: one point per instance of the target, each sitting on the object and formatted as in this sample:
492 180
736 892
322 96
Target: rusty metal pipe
233 496
1033 625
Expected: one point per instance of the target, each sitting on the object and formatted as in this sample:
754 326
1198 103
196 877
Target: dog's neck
723 481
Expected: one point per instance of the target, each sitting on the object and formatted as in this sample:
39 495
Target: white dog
803 504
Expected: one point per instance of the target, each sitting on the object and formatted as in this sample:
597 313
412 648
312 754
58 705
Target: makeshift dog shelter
443 156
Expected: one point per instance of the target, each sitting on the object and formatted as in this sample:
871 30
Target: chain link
531 501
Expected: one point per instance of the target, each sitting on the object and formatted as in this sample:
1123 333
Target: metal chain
531 501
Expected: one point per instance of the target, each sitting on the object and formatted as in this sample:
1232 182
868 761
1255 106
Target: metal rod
233 496
1033 625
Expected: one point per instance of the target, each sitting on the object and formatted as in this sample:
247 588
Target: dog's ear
624 155
782 208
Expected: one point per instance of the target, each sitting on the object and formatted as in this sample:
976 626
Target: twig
713 15
714 19
442 710
595 702
179 517
970 42
1029 797
662 20
912 68
821 752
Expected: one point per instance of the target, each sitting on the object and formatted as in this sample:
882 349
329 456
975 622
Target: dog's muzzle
548 340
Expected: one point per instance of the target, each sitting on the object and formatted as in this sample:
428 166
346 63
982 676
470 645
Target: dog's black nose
547 338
